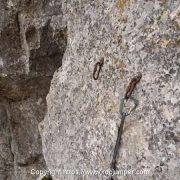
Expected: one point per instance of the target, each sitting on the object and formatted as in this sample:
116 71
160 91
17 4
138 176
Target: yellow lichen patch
120 65
164 16
122 4
112 107
99 99
41 127
164 43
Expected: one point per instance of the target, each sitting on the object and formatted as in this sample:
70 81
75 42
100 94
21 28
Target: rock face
82 119
32 43
51 47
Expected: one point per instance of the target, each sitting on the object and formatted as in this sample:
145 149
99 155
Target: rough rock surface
80 126
51 47
32 43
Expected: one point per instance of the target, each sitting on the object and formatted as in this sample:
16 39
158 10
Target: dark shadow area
45 60
24 98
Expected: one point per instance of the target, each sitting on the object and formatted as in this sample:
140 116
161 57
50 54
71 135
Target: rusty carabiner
97 69
135 80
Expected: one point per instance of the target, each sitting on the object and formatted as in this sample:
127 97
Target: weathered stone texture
51 47
32 43
80 126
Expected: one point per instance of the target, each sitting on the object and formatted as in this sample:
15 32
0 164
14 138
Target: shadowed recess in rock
48 57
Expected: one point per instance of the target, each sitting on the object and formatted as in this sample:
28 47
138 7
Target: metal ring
121 109
97 69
